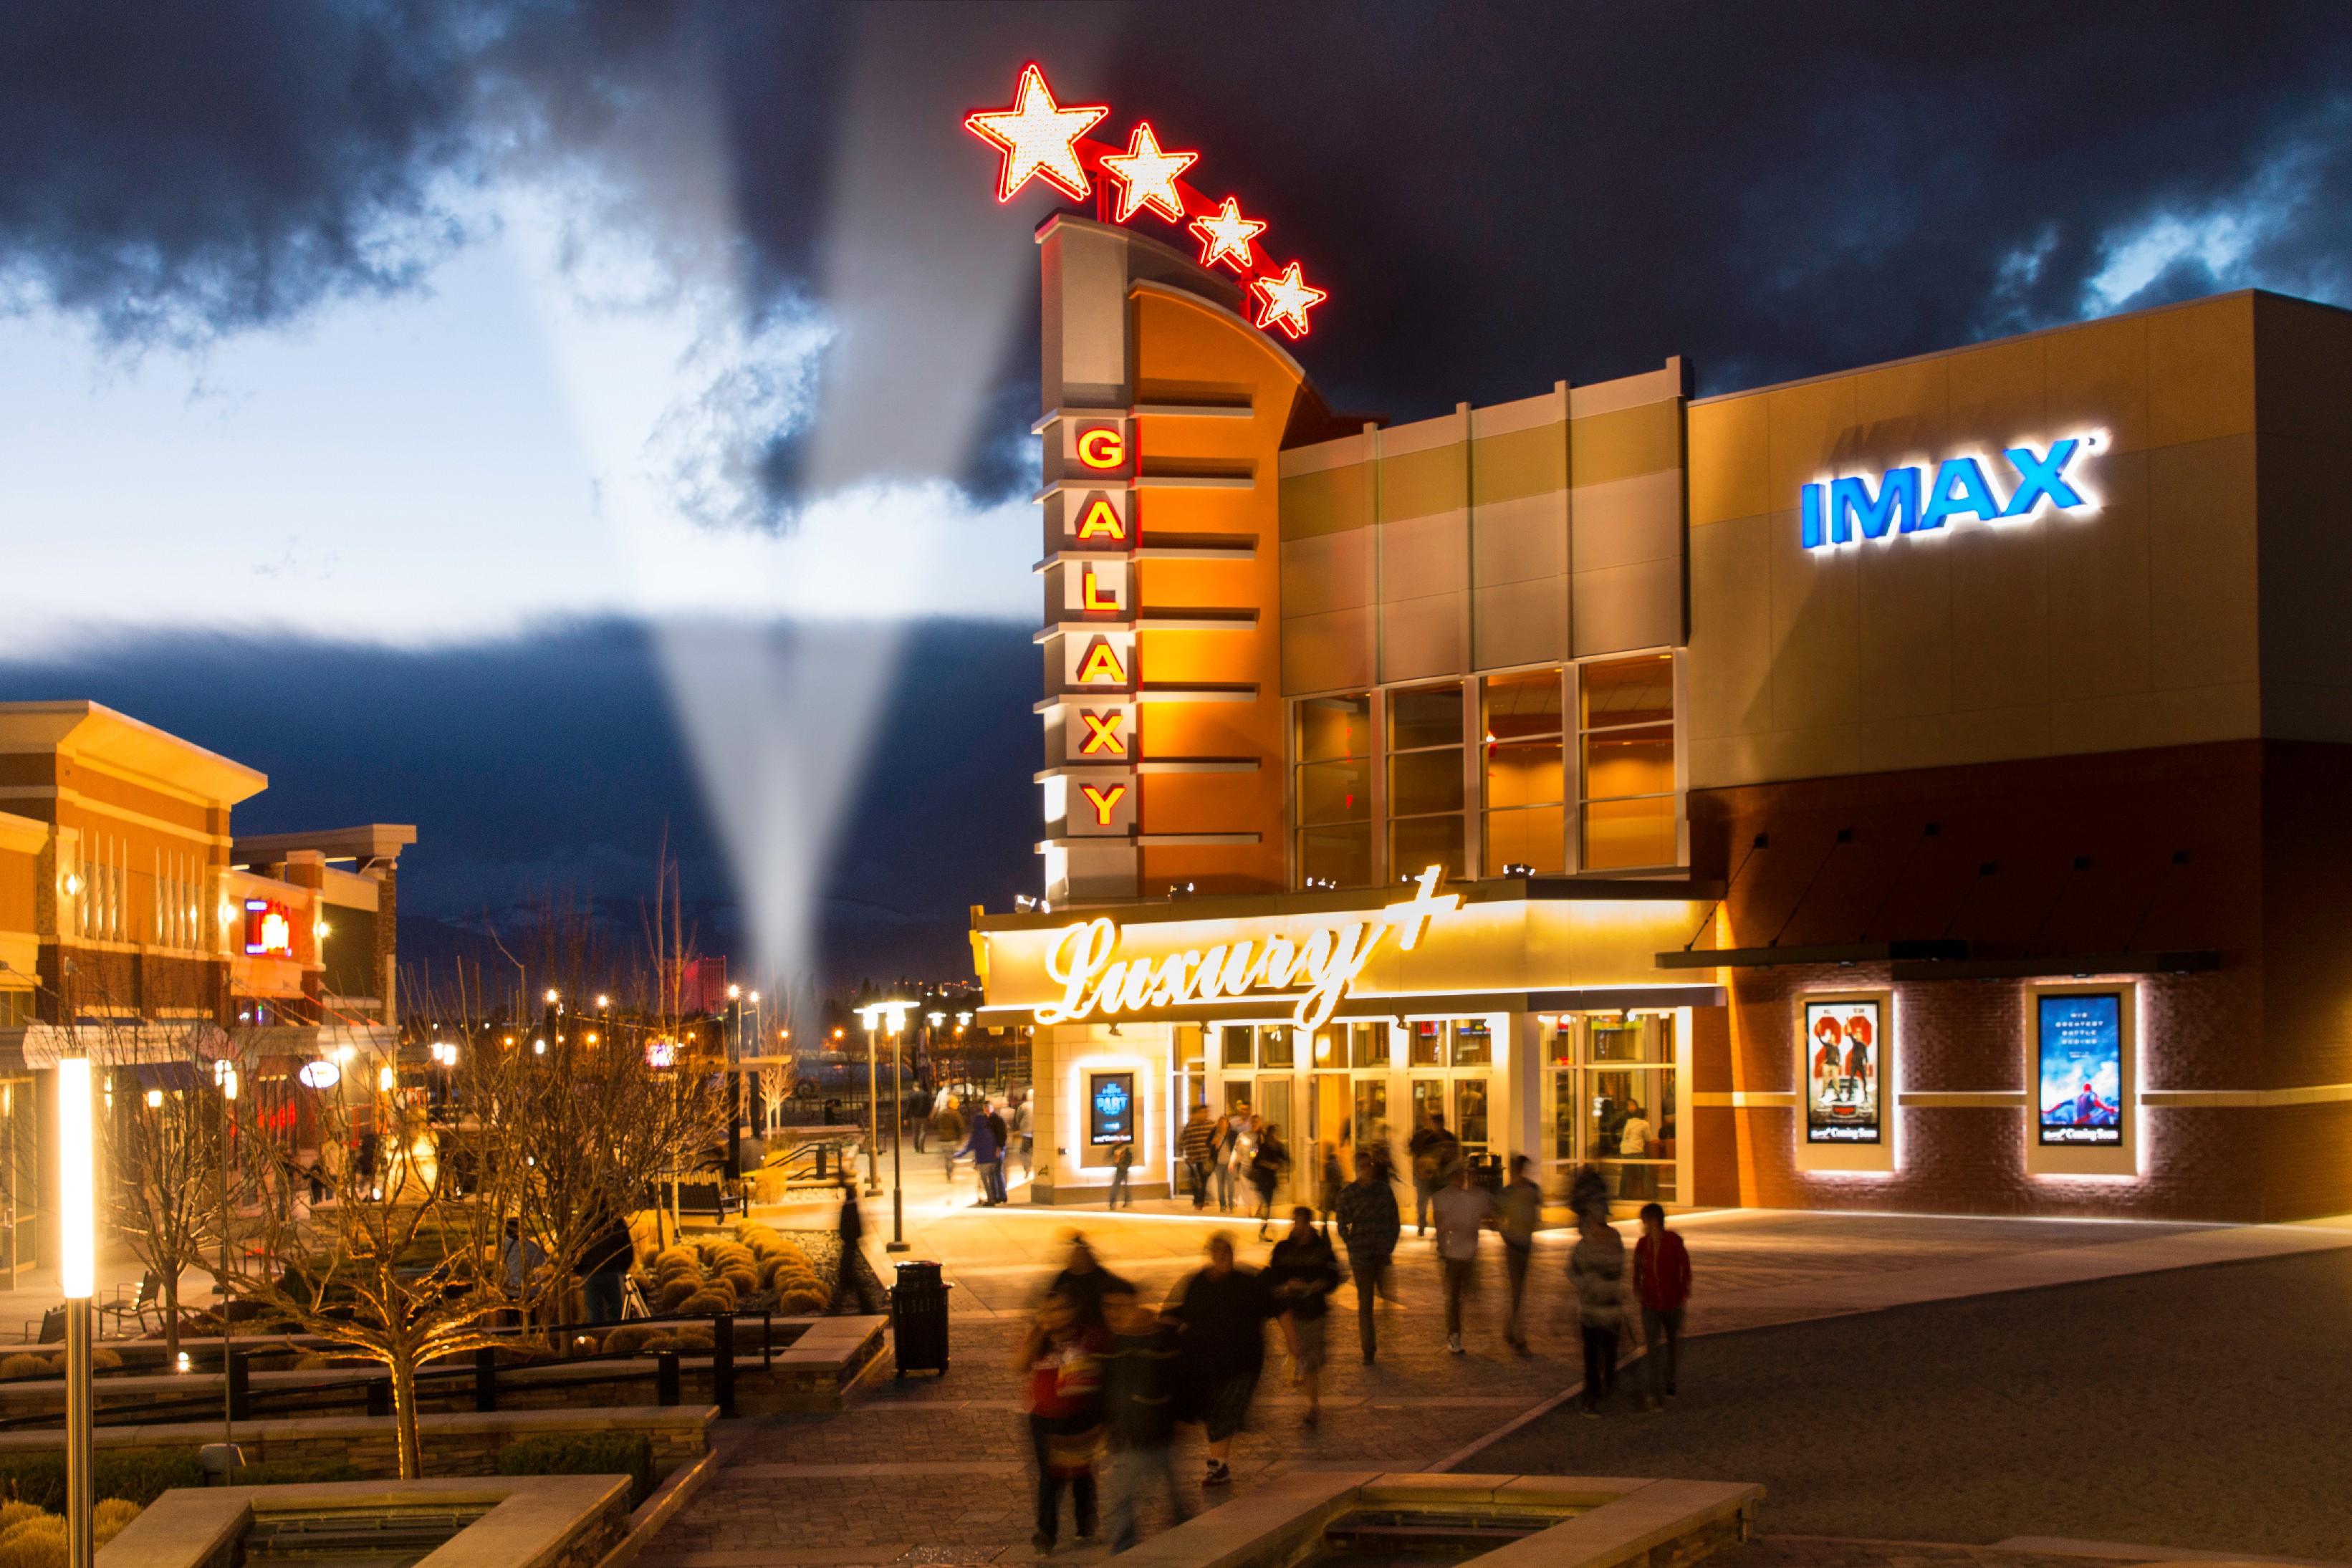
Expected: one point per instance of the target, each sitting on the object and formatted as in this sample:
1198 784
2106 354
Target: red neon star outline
1038 136
1147 175
1284 300
1225 237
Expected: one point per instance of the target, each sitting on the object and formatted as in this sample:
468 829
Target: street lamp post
225 1074
897 1125
873 1018
76 1276
892 1015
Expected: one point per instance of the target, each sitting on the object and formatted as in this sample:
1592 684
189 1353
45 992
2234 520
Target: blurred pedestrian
1597 1269
947 1126
1462 1210
1062 1392
994 1177
918 1111
1024 1129
1332 1177
1634 1180
1084 1282
520 1259
1518 1209
1436 1154
1199 1144
604 1262
850 1279
980 1144
1301 1275
1369 1226
1223 1309
1267 1162
1662 1278
1122 1160
1230 1155
1588 1193
1139 1410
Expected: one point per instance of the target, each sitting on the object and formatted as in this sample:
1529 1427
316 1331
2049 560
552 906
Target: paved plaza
934 1469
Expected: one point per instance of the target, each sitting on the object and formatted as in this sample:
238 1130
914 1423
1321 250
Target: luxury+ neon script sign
1039 139
1321 968
1844 511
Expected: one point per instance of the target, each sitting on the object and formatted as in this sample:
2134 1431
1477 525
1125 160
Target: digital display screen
1844 1055
1110 1109
2080 1051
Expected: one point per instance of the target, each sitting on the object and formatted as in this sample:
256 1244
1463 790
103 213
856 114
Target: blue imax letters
1841 511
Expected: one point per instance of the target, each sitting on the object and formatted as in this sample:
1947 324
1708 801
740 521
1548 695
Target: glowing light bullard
1039 139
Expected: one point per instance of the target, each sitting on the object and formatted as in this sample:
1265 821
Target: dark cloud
170 172
1497 196
551 766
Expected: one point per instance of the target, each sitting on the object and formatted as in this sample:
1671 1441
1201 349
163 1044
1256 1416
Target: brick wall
2267 883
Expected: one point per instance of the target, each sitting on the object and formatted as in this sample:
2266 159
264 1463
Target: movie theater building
1914 787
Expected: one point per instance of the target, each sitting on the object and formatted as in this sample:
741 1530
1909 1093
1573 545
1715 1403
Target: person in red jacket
1662 1277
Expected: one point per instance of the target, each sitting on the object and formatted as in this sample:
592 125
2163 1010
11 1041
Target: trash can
918 1318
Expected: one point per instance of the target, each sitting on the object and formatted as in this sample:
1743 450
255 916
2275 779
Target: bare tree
165 1152
403 1259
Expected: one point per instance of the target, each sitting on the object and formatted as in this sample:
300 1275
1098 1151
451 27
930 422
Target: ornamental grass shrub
133 1475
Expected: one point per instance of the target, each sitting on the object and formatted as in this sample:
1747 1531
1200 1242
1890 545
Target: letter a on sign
1101 667
1102 521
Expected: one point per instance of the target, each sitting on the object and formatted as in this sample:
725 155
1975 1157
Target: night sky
200 205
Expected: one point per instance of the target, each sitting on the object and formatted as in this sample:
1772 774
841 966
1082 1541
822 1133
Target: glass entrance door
1626 1112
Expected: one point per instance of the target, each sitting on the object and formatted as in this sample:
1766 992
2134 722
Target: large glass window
1236 1042
1274 1045
1335 790
1524 776
1368 1045
1425 744
1626 772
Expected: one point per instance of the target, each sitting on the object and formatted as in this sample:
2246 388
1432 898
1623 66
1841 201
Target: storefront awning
124 1044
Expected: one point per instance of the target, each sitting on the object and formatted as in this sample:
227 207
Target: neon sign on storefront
1320 968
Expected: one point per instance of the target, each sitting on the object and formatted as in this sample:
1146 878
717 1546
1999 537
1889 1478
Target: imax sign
1843 511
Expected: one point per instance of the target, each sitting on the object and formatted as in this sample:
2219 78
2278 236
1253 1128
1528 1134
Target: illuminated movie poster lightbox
1110 1109
2080 1053
1843 1078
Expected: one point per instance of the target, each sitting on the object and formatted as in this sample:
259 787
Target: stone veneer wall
454 1445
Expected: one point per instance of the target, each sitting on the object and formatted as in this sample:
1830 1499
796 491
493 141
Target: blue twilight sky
381 375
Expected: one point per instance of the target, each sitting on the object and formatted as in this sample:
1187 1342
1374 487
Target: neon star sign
1038 138
1283 301
1146 176
1225 237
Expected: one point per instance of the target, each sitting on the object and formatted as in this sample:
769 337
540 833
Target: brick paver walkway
934 1470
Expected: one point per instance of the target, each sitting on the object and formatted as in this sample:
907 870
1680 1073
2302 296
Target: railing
373 1391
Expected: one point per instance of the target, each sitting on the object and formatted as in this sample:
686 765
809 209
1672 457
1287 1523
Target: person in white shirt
1023 1130
1460 1210
1633 1144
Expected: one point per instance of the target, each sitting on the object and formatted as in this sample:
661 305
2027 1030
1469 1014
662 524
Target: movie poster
1844 1055
1110 1110
2080 1052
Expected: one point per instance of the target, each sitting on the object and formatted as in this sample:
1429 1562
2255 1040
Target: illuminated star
1146 176
1283 301
1225 237
1038 136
